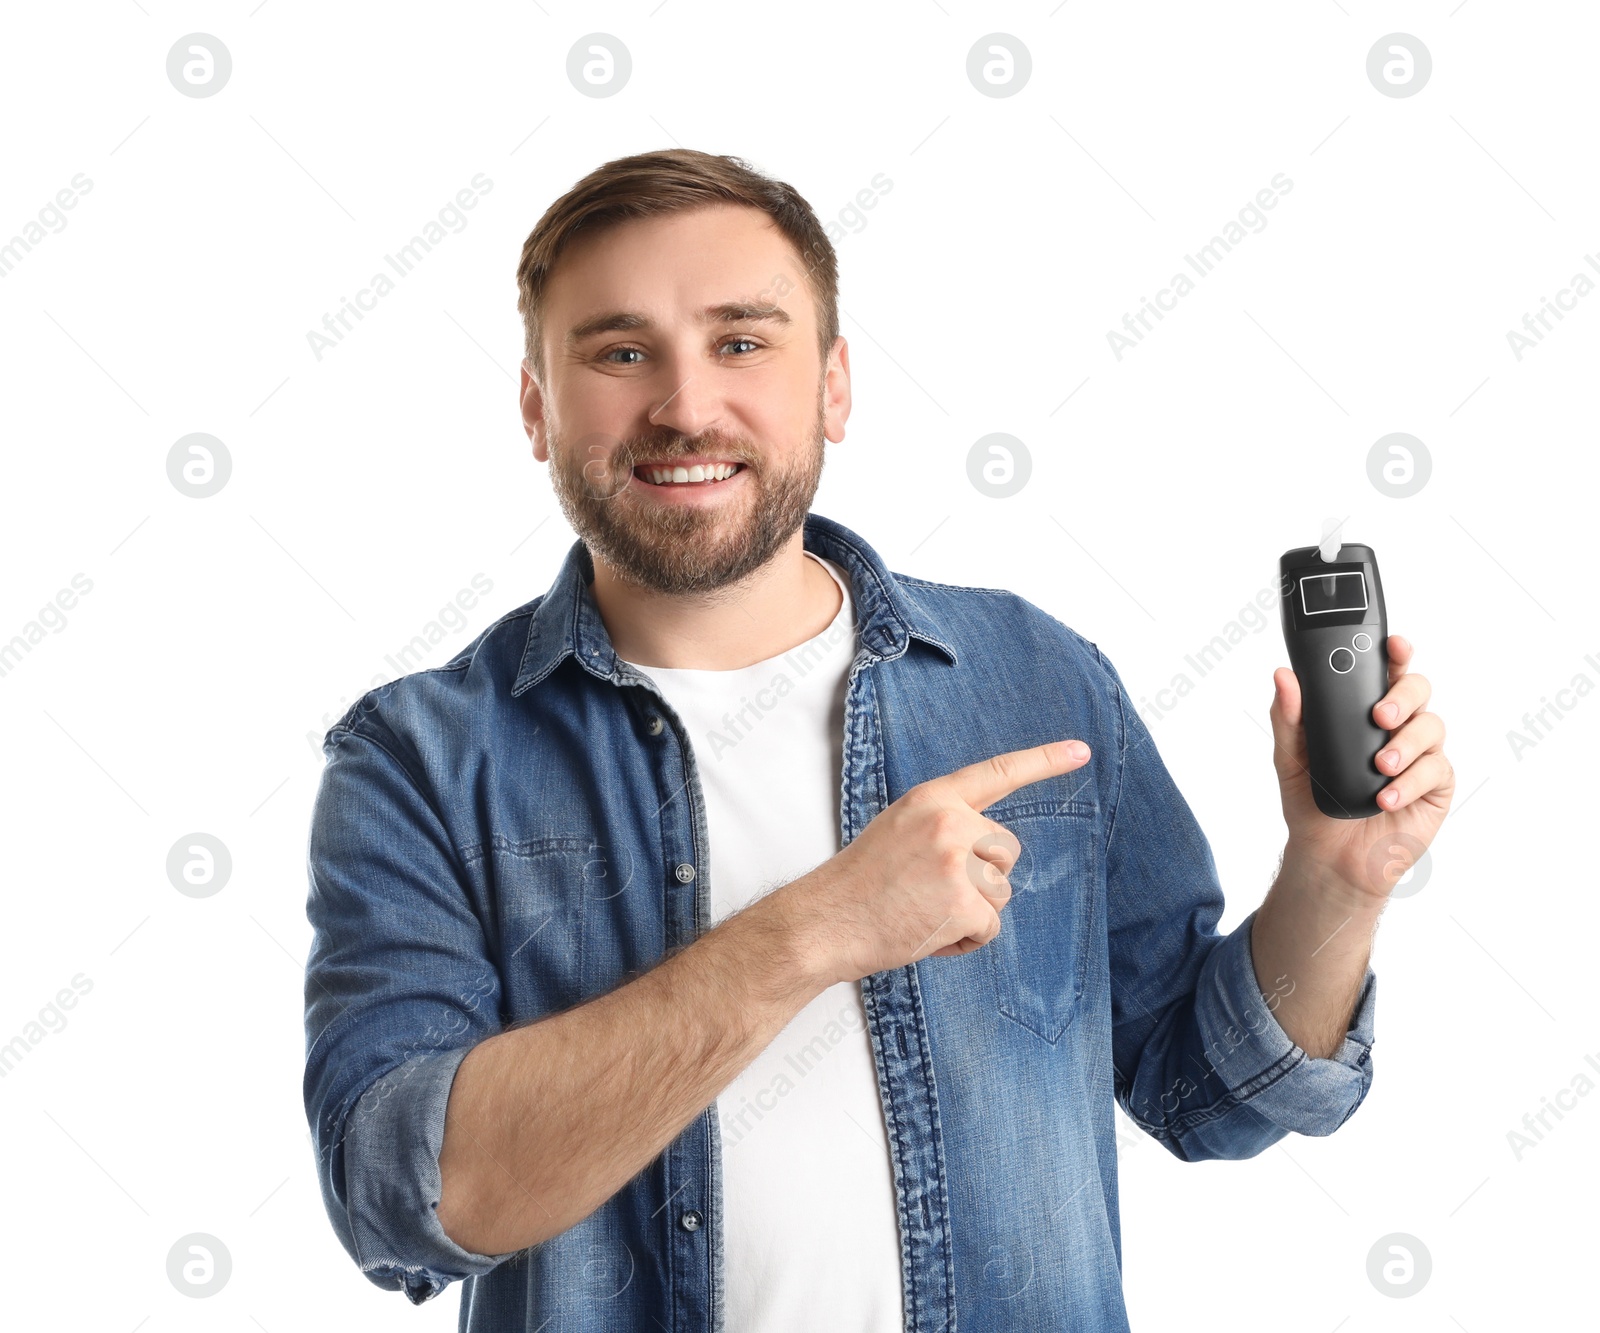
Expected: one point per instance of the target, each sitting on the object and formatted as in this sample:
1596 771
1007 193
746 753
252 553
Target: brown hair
672 180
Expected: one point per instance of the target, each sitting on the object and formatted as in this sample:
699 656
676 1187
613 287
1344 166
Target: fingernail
1390 757
1388 712
1077 749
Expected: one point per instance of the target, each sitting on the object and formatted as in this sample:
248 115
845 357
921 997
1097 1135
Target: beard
674 548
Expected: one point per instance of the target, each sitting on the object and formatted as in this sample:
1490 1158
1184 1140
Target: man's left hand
1368 855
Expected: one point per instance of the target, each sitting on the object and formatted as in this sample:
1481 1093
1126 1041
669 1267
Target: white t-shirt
810 1236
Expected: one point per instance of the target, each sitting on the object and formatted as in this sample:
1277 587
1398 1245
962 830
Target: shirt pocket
1039 961
544 891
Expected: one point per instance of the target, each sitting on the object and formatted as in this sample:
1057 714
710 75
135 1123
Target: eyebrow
726 312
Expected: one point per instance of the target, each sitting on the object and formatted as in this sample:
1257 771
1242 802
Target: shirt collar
567 619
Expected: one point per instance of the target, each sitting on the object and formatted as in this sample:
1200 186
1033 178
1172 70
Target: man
744 936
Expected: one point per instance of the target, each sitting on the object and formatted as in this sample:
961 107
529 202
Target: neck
789 600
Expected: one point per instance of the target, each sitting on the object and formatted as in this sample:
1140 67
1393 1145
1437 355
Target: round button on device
1342 660
1361 642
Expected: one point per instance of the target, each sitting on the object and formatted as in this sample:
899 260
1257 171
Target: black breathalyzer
1337 635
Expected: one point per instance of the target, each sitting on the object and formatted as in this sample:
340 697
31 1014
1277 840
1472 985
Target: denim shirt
501 837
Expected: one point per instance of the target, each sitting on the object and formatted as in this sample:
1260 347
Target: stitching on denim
393 1266
462 660
530 847
464 657
896 1134
866 718
1259 1083
951 587
869 722
1122 757
1361 1096
1184 1122
431 806
1070 809
830 539
1194 1119
925 1058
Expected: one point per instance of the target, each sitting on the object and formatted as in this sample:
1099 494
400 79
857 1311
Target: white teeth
665 476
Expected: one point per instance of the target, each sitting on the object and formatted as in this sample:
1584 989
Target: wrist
1303 870
785 925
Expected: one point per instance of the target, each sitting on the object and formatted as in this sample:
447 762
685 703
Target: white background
189 689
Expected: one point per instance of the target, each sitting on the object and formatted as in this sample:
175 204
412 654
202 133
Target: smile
666 475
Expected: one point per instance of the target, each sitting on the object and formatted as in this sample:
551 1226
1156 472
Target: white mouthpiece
1329 549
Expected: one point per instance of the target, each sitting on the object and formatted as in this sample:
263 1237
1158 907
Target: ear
533 421
836 391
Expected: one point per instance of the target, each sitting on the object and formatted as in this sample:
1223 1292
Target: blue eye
617 351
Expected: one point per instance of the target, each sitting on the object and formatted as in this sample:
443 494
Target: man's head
681 307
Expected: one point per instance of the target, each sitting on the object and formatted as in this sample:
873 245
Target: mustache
669 446
605 463
630 456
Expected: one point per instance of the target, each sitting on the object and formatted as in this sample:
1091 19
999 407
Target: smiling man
743 936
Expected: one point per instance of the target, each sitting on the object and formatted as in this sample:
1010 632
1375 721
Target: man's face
675 339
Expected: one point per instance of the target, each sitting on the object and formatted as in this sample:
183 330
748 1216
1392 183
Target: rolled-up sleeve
398 988
1200 1060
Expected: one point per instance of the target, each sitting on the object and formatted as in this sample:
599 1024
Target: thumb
1289 737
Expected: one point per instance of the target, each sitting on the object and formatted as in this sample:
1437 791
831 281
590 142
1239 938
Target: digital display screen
1321 593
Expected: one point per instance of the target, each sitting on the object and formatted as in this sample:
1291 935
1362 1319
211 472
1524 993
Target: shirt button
684 872
655 725
690 1221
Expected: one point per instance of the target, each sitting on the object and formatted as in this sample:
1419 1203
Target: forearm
546 1122
1310 944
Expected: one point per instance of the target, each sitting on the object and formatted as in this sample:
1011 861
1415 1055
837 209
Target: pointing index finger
981 784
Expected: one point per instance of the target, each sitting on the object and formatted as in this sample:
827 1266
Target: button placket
698 1303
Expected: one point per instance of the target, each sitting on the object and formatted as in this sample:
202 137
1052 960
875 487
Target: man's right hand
927 877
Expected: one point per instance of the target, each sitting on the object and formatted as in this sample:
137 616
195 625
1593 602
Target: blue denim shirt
503 836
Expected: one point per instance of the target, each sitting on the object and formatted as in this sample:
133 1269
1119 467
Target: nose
689 408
